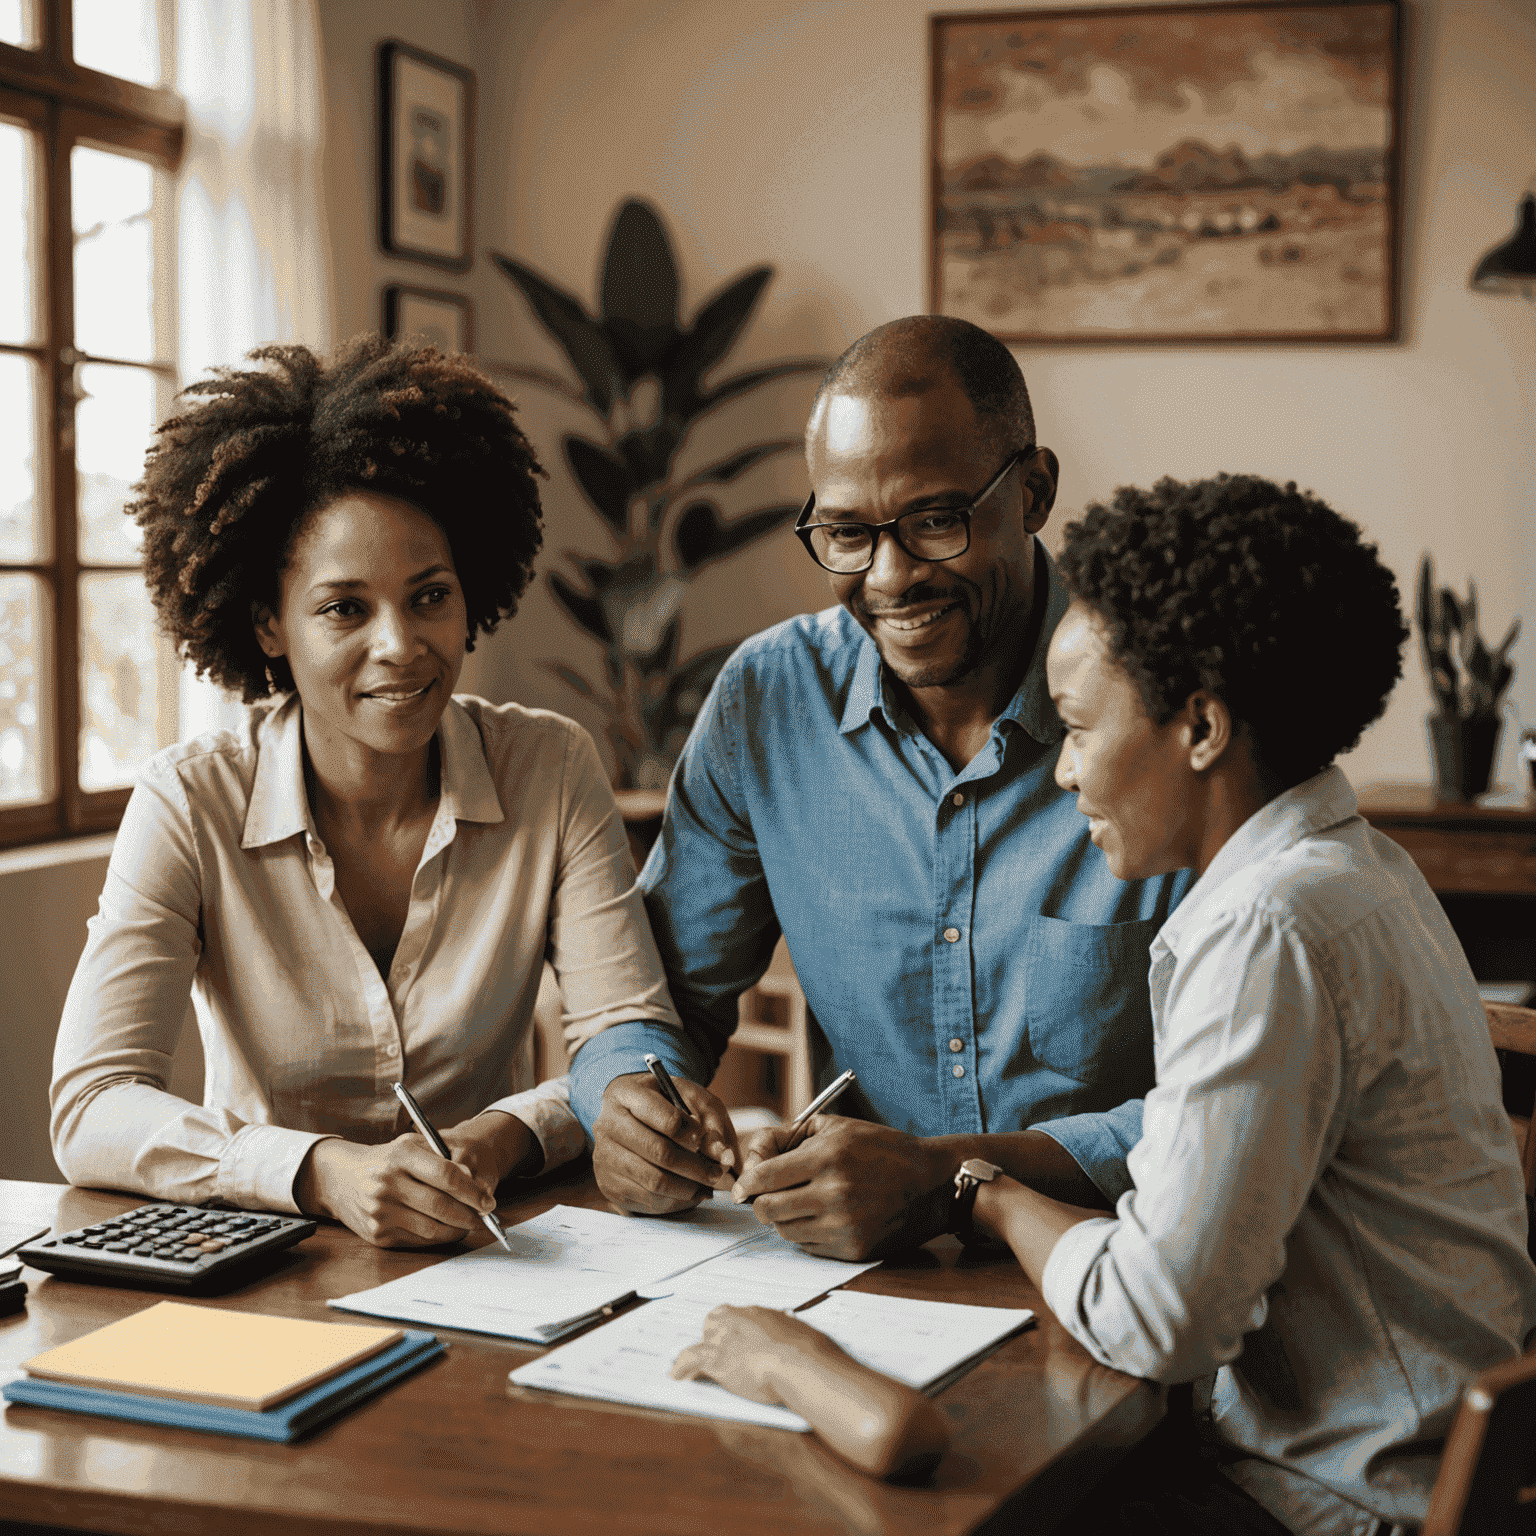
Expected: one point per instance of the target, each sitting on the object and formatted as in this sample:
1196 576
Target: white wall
798 134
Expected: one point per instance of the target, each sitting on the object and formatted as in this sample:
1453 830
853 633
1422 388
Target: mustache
917 597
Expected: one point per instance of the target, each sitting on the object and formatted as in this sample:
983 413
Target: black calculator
172 1246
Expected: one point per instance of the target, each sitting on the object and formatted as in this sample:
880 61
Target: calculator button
142 1249
70 1237
117 1247
186 1255
93 1242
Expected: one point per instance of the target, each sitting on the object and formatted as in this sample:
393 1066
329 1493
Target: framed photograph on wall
443 319
1222 172
426 126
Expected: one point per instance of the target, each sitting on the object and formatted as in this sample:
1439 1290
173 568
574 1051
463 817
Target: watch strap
961 1207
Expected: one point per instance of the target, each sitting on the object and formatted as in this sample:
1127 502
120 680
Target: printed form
568 1265
928 1344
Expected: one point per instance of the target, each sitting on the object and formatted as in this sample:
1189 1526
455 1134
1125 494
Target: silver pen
826 1096
438 1145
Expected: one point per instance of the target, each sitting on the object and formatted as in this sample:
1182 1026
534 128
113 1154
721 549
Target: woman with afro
361 885
1327 1230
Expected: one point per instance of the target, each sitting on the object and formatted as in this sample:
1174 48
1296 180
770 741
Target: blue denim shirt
961 943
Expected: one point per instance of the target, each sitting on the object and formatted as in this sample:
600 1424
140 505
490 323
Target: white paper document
927 1344
628 1361
565 1267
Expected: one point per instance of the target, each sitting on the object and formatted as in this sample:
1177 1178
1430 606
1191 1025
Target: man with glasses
875 782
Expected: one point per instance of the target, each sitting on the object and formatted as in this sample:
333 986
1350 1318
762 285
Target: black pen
438 1145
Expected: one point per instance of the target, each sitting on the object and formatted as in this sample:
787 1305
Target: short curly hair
229 483
1264 596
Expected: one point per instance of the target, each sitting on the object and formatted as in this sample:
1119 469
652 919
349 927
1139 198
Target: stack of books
234 1373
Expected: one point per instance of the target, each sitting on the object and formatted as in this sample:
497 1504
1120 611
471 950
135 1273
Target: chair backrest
1487 1480
1514 1029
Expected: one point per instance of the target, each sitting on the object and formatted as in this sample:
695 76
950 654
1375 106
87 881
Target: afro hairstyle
1262 595
230 481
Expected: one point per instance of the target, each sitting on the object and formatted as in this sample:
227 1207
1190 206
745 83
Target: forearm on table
136 1136
1029 1222
1032 1157
879 1424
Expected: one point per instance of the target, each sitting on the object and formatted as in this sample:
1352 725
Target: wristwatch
974 1172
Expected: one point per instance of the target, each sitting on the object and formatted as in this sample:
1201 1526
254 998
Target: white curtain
252 244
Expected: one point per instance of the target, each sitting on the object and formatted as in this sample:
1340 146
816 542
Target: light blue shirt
961 943
1328 1203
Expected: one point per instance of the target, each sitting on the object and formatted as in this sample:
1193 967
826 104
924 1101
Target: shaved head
910 356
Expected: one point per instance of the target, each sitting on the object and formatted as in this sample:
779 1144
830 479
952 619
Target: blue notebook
285 1422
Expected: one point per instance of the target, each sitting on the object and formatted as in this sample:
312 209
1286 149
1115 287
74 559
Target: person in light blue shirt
875 783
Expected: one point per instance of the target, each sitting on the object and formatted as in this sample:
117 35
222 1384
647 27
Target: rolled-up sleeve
1100 1144
1244 1116
709 908
612 983
113 1124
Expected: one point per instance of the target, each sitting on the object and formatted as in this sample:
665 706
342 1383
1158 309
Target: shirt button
957 1045
957 798
951 935
391 1049
959 1071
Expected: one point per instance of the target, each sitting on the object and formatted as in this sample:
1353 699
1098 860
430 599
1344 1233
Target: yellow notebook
205 1355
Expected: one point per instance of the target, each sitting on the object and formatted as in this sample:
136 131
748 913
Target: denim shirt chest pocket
1088 1011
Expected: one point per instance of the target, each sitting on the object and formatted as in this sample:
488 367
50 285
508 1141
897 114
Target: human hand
400 1194
493 1146
650 1158
850 1190
881 1425
742 1346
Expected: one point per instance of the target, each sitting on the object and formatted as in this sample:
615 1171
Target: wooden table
455 1448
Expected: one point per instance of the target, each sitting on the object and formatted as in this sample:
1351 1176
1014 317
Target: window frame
66 104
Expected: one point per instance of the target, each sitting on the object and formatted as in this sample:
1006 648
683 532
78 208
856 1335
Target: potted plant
640 375
1468 680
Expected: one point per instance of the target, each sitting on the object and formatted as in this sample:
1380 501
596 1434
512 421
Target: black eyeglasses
930 533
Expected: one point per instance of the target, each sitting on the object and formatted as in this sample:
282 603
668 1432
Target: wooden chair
1487 1480
1514 1029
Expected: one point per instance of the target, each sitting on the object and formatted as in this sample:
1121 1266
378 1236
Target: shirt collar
279 806
1030 707
1323 801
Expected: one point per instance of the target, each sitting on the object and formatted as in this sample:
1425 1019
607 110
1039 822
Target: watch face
980 1169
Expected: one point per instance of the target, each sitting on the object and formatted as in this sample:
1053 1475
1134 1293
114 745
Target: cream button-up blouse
219 884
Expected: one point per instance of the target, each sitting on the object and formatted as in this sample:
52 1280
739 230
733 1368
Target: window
87 691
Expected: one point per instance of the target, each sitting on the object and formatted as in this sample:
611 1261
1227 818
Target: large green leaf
702 535
639 291
755 378
660 662
648 452
581 336
605 479
586 611
571 678
713 333
740 462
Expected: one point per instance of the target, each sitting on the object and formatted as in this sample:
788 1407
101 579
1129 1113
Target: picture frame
1170 173
426 164
446 320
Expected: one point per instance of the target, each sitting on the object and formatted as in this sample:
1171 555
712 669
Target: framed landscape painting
1169 173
